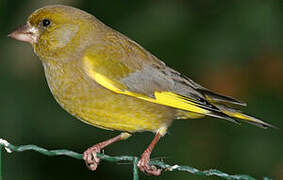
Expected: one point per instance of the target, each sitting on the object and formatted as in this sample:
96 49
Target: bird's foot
91 160
145 167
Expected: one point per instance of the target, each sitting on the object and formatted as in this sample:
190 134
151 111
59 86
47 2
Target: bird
109 81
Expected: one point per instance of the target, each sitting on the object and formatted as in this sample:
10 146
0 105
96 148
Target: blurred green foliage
233 47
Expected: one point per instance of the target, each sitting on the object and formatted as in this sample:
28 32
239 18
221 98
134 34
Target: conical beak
25 33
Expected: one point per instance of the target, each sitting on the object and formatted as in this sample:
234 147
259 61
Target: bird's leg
89 155
143 163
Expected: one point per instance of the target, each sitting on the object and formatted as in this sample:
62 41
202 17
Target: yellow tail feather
249 119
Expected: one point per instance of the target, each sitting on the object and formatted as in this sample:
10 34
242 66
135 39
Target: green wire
132 159
1 161
135 169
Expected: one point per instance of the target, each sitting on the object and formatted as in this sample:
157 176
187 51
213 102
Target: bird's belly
108 110
100 107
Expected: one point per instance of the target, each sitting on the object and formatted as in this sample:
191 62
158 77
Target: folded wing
134 72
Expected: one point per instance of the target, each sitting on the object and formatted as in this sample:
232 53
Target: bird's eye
46 22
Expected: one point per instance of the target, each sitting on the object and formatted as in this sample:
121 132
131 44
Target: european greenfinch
107 80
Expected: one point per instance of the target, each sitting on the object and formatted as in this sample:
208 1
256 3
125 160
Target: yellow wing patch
99 78
164 97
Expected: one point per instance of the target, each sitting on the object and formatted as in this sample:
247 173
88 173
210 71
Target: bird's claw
90 157
148 169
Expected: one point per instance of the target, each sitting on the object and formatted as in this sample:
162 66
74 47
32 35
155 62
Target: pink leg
143 163
89 155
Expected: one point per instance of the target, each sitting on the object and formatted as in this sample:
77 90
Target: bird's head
56 31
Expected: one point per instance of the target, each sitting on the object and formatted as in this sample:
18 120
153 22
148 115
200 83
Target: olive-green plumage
109 81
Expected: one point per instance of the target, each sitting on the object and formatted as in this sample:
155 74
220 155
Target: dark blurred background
232 47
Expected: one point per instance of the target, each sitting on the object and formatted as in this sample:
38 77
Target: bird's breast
85 99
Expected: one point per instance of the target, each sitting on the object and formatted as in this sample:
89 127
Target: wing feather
159 96
124 67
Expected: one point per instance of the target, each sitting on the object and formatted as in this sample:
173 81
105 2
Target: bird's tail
219 106
239 115
226 112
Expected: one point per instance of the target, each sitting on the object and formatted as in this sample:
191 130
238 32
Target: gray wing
157 76
154 76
